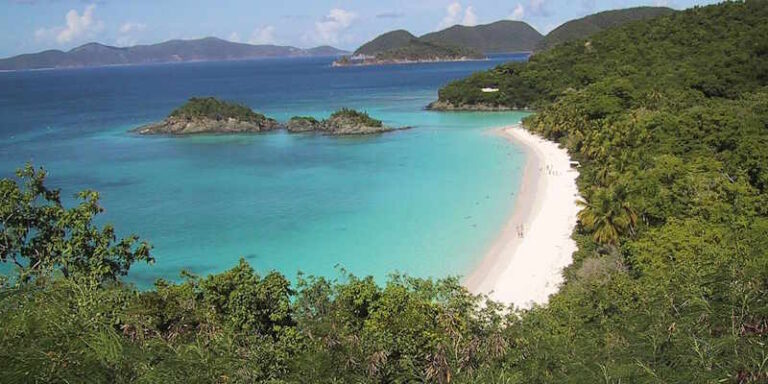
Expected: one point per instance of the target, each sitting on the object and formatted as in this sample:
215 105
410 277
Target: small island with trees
414 52
342 122
208 115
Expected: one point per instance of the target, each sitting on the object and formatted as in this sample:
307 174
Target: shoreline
373 62
524 265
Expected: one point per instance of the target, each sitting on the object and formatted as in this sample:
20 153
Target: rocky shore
342 123
376 61
203 125
445 106
211 116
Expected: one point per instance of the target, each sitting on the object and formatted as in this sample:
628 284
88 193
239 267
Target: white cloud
456 14
263 35
77 26
129 27
662 3
470 18
41 34
452 13
538 8
518 13
234 37
127 33
329 29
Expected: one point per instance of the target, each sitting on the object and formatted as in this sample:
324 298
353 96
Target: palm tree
607 215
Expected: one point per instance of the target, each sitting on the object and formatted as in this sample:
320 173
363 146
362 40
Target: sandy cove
525 264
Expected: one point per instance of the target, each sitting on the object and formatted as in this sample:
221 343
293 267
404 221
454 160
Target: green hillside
386 42
669 118
403 46
452 43
656 54
215 109
499 37
423 51
592 24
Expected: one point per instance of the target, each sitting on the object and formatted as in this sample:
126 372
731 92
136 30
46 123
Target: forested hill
401 46
499 37
669 118
511 36
390 40
592 24
715 50
206 49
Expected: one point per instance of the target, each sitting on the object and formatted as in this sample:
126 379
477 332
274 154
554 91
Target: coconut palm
607 215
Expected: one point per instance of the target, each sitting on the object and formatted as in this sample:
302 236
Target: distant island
208 115
457 43
460 43
401 47
173 51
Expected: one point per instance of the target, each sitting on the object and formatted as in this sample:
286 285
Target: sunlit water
426 201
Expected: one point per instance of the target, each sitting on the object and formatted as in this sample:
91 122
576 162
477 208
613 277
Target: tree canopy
213 108
355 117
669 119
718 51
39 236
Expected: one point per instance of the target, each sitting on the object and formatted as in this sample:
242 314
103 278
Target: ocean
426 201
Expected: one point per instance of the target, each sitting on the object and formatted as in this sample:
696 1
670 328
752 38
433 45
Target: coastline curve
524 265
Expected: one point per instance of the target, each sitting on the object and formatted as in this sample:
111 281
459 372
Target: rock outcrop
301 124
204 125
446 106
351 122
208 115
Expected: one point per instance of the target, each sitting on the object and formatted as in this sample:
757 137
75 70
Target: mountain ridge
485 38
456 43
586 26
386 41
94 54
460 42
503 36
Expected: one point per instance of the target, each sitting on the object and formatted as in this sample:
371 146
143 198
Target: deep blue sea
426 201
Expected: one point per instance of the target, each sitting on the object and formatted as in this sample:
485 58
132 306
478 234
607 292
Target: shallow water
426 201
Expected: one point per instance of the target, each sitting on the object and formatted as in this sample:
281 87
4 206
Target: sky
36 25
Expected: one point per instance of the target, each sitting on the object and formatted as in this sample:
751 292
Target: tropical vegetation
355 117
215 109
587 26
669 119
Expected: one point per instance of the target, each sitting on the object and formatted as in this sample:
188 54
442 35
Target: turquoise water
426 201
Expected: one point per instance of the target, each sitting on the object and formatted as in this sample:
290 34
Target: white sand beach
524 265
